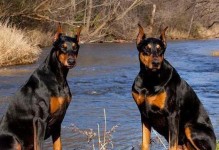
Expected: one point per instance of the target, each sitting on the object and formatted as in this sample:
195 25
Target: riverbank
19 47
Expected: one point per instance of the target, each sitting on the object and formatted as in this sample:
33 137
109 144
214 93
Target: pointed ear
163 36
58 32
141 34
78 32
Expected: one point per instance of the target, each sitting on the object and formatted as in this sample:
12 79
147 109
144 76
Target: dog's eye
147 51
64 49
160 52
75 48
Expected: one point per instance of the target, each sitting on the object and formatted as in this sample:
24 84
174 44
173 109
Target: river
102 80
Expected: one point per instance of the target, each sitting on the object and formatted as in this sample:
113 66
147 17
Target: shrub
15 47
39 37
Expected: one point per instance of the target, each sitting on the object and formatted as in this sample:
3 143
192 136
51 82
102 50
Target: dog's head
151 50
66 47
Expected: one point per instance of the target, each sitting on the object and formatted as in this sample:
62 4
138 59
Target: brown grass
207 33
15 47
104 138
39 37
176 34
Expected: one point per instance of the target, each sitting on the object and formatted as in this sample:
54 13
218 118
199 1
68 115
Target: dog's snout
155 54
155 62
71 61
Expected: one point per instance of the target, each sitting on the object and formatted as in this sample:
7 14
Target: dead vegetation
102 20
100 139
109 20
15 47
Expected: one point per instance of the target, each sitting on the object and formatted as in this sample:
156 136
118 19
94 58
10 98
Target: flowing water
102 80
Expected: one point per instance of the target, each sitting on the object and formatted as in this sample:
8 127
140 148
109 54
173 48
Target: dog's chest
59 103
58 107
157 100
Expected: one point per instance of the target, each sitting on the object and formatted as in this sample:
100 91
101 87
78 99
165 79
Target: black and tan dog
36 111
166 102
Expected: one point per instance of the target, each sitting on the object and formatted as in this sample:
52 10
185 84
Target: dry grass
197 32
15 47
176 34
100 140
39 37
212 32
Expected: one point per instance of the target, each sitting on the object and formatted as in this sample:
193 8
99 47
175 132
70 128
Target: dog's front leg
39 128
56 138
173 123
146 134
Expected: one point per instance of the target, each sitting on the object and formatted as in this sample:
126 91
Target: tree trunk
89 13
85 12
191 22
152 20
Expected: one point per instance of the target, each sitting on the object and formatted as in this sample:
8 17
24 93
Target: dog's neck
55 66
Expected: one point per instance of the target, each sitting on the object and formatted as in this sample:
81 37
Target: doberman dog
166 102
37 110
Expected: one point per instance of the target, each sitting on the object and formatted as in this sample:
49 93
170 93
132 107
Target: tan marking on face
74 46
63 58
64 45
157 100
139 98
188 134
149 46
56 103
158 46
146 60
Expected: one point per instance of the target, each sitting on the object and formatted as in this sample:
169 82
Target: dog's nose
71 61
155 62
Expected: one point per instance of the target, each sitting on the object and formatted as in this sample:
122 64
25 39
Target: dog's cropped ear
58 32
163 36
78 32
141 34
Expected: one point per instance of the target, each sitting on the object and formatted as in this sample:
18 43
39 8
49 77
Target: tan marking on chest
139 98
56 103
157 100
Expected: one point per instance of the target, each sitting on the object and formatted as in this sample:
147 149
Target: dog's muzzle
71 62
